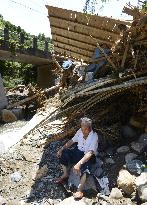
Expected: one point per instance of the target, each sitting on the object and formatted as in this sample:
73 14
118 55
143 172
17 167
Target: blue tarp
67 64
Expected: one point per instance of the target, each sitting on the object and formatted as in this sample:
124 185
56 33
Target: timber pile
115 100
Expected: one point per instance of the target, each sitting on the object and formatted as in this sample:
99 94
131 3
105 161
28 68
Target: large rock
18 112
123 149
130 156
143 139
137 146
8 116
128 132
141 184
116 194
126 182
135 166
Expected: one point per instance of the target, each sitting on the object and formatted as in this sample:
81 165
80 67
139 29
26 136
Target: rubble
130 156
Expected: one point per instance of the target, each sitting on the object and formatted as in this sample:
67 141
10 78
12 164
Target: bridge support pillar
45 76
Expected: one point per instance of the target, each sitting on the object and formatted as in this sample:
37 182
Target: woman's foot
61 179
78 195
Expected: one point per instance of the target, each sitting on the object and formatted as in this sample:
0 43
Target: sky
31 15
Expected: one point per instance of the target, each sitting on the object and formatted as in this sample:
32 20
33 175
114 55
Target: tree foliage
90 5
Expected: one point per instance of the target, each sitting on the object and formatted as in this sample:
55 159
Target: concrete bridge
18 52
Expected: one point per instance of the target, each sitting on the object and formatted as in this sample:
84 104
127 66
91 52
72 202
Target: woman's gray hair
86 121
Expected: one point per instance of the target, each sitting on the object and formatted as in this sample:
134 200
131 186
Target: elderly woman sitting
82 156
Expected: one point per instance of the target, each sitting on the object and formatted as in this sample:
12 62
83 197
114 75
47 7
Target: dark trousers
73 156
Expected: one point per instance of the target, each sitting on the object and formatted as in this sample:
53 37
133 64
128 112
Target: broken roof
71 32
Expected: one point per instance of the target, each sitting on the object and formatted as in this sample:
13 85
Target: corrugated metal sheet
71 32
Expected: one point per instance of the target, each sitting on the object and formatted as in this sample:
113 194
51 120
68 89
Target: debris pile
115 100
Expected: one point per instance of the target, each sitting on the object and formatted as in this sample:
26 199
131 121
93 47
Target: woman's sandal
60 180
78 195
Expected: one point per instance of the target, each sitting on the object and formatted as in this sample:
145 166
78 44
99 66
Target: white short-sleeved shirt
88 144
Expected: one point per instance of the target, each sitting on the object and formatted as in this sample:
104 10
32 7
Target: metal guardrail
18 42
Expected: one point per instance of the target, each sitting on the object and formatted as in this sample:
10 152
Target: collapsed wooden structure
114 100
71 32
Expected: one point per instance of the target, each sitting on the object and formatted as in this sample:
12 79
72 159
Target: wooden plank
77 36
74 49
72 42
83 29
92 20
71 54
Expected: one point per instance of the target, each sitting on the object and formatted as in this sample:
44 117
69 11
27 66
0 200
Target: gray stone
143 139
142 192
109 161
141 184
128 132
126 182
135 166
16 177
18 112
130 156
123 149
116 194
137 146
8 116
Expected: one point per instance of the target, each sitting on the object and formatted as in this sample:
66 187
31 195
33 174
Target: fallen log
26 100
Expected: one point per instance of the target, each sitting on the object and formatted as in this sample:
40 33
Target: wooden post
6 37
46 47
22 38
34 45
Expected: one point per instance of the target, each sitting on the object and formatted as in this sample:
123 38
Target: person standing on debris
83 156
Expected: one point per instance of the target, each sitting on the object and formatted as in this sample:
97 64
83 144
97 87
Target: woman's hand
76 169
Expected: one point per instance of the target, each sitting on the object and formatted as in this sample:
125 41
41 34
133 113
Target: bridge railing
19 42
